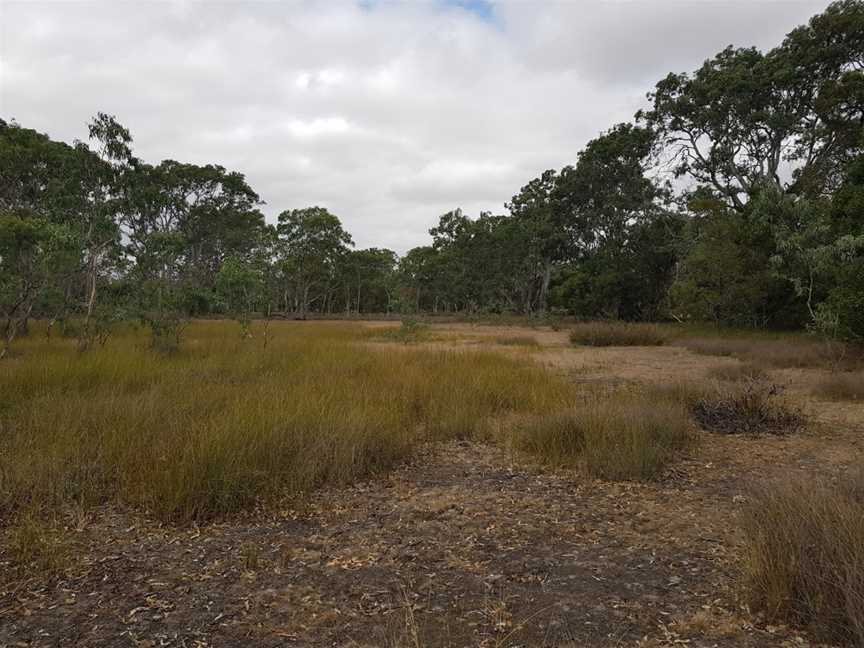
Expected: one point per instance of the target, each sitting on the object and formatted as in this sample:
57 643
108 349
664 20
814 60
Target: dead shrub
841 386
604 334
618 437
748 407
803 557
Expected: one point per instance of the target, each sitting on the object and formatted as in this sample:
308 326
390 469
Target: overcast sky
389 114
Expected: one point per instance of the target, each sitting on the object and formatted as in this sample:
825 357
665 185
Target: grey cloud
388 114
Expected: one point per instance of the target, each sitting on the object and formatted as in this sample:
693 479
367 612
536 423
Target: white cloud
387 113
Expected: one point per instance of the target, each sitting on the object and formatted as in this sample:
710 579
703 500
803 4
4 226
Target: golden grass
603 334
619 436
841 386
803 557
224 424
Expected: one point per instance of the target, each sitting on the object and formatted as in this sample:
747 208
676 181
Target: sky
387 113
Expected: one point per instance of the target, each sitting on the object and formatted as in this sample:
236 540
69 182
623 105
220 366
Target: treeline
736 196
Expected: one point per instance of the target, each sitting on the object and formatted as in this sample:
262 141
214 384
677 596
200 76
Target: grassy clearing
841 386
224 424
604 334
752 407
788 352
804 557
620 436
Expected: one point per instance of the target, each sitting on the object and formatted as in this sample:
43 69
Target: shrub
618 334
804 557
410 330
841 386
749 407
619 436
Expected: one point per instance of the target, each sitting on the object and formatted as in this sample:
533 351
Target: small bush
410 330
749 407
804 557
739 372
604 334
619 437
841 386
516 340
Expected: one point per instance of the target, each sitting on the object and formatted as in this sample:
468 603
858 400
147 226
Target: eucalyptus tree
311 244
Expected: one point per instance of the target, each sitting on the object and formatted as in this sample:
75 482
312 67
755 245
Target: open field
357 484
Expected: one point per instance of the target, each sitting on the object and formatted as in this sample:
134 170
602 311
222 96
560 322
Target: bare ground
464 546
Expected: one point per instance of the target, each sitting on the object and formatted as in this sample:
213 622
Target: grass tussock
749 407
618 436
804 557
517 340
225 423
841 386
790 352
34 547
738 372
604 334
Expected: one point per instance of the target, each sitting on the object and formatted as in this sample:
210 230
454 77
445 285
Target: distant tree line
735 197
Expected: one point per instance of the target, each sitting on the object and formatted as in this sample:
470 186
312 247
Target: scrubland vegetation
713 208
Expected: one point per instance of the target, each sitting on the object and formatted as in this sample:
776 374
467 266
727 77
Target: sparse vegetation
840 386
804 557
603 334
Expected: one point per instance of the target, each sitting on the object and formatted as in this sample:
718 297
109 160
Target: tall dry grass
836 386
619 436
604 334
803 557
787 352
224 423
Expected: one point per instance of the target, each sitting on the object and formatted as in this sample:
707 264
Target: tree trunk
544 286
